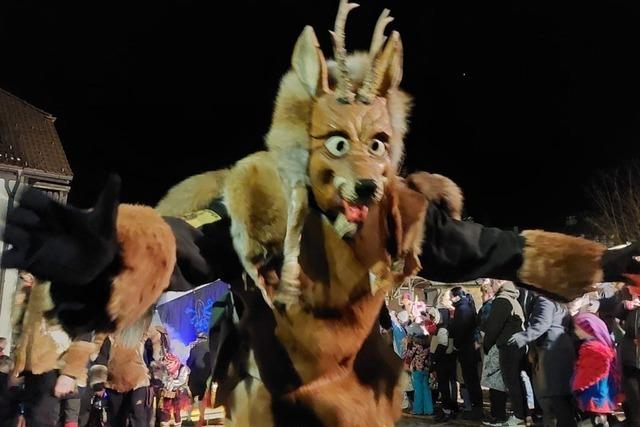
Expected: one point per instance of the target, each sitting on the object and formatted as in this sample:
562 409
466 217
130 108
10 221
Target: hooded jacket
505 319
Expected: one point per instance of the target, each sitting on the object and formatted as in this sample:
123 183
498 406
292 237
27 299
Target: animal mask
346 118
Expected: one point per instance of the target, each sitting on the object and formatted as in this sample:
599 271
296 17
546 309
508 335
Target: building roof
29 140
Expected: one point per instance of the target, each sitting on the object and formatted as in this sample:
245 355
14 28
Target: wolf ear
309 64
385 73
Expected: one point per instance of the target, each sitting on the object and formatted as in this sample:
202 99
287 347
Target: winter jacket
553 347
595 388
464 323
505 320
614 306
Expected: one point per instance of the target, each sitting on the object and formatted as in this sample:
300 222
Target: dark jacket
464 323
505 319
614 307
199 363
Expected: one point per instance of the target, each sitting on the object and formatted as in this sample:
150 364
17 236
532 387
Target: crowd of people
556 364
128 378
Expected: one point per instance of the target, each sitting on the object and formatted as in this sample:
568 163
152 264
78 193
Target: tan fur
126 370
438 189
149 254
564 265
292 112
36 351
257 205
251 405
194 193
75 360
97 375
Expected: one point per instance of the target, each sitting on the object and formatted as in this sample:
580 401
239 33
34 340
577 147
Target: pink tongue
355 213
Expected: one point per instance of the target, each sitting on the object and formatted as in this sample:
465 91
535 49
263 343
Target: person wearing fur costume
311 234
120 371
174 392
52 365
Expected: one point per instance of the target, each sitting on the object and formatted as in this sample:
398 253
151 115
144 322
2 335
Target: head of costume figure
357 117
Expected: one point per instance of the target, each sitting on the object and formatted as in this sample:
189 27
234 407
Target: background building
31 155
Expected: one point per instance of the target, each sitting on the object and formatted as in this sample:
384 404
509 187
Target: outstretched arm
109 264
561 265
553 263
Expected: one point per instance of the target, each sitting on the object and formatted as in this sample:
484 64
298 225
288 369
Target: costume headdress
357 78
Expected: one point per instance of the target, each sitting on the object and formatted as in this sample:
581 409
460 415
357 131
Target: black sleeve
148 352
385 318
457 251
105 350
613 306
500 309
203 254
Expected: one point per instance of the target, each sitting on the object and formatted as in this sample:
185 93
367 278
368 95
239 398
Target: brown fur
126 370
36 351
564 265
194 193
149 254
75 360
256 202
348 403
323 349
438 189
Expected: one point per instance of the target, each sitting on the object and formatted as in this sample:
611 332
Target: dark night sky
519 102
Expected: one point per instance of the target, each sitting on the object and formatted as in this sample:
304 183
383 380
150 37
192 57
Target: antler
343 88
377 59
378 34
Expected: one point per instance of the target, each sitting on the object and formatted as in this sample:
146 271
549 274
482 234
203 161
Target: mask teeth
338 182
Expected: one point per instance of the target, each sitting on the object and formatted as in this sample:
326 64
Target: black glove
617 264
62 243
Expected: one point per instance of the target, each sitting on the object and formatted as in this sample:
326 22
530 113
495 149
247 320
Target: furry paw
438 189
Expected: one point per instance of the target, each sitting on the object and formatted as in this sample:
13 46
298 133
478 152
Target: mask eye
377 147
337 145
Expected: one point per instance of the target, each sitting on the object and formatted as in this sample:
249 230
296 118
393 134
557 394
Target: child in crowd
416 357
596 382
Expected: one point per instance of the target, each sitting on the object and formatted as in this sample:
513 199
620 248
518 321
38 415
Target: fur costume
42 344
120 364
311 234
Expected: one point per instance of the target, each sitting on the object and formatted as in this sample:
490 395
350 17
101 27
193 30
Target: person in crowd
506 319
443 363
8 400
398 320
445 308
175 391
552 353
120 371
49 362
491 374
625 306
416 357
597 381
462 330
3 346
199 364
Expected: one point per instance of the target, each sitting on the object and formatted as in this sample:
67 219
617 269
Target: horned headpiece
349 79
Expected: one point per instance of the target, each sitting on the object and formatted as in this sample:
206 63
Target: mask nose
365 189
